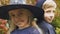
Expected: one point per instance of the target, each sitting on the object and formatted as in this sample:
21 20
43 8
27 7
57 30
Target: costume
28 30
47 28
33 9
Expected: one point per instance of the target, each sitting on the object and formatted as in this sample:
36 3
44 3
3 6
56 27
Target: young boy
49 7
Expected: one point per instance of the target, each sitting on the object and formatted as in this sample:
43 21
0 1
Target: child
21 17
49 7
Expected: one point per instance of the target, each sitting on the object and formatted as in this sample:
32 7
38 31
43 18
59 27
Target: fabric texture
47 28
28 30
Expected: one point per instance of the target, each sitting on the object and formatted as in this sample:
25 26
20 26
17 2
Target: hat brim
5 9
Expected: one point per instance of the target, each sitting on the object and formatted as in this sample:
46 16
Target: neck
25 26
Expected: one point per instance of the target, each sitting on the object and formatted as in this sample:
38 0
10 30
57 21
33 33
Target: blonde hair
36 26
49 4
13 26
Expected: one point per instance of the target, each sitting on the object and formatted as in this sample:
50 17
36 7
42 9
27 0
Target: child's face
19 17
49 14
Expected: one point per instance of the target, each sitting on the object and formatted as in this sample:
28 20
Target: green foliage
57 30
56 21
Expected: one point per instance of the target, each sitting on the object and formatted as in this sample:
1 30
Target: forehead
49 9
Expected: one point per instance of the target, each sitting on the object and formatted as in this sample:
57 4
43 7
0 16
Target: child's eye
13 15
20 13
54 11
48 11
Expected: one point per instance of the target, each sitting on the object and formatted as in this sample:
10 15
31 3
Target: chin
49 21
20 25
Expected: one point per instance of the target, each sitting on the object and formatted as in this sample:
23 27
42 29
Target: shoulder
43 26
14 31
34 31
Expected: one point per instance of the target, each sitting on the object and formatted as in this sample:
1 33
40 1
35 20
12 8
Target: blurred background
56 21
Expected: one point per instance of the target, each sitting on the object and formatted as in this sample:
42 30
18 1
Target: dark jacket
47 28
28 30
